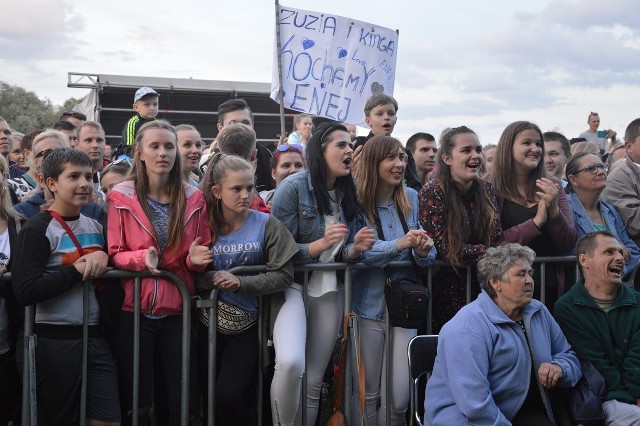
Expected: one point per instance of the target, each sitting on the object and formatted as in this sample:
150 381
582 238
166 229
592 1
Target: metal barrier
29 398
347 267
29 406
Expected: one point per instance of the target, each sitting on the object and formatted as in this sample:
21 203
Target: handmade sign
330 64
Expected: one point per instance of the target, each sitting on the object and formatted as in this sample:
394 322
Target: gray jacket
623 191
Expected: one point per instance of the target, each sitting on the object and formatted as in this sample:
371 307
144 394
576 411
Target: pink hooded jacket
130 234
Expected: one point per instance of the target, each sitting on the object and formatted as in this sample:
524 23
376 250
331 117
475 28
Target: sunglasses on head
43 154
286 146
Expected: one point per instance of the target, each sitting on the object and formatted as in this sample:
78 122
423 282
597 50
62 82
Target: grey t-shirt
160 220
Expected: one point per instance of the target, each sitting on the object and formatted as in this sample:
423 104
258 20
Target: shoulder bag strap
343 363
68 230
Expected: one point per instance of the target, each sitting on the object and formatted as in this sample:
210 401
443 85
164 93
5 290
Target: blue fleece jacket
483 368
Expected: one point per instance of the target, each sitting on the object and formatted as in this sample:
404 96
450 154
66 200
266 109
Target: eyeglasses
285 146
593 169
42 154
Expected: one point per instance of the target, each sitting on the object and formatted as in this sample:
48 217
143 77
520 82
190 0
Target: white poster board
331 65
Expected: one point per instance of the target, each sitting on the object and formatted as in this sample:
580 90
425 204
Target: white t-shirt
602 143
323 282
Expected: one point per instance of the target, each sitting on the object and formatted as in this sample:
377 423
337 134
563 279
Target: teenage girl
386 201
153 220
319 206
460 212
240 237
535 211
190 146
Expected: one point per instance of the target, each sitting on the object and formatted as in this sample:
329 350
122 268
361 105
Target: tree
68 105
24 110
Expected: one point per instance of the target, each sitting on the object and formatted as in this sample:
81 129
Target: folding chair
422 355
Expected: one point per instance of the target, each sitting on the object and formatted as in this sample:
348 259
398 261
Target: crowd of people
70 211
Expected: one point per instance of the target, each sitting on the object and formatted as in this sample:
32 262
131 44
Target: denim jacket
368 284
294 204
615 225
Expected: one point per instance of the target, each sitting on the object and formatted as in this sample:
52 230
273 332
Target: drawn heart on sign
342 52
308 43
377 88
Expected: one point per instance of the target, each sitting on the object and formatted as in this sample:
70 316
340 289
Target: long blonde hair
217 170
6 206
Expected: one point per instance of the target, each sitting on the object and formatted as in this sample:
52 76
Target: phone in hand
602 133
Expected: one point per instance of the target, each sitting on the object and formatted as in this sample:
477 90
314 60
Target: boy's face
238 116
382 119
74 187
147 107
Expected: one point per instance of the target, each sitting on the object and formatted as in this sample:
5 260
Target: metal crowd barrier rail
347 267
29 396
29 406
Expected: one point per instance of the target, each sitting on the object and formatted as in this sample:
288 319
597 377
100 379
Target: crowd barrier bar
29 407
347 267
29 397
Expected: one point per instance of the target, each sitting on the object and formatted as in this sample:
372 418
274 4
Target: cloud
521 63
38 29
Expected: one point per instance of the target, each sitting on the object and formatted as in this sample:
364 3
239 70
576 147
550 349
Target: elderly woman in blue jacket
587 178
500 355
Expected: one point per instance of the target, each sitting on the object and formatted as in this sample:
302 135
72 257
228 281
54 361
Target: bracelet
351 258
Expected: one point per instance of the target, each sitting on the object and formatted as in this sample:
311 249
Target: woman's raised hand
549 192
418 240
334 233
199 254
151 260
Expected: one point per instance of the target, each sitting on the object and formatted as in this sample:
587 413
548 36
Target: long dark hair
457 231
502 174
317 166
175 186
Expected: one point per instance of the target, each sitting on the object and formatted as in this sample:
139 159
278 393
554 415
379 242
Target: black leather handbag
407 299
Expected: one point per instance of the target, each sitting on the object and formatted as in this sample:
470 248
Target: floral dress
449 283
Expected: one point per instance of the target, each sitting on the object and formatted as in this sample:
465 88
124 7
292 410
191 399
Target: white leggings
290 329
374 357
289 336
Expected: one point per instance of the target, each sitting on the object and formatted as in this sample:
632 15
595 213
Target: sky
461 62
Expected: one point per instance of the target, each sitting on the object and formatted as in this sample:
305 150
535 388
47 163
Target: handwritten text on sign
331 65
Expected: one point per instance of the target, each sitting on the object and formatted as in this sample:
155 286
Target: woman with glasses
286 160
320 208
587 178
535 210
